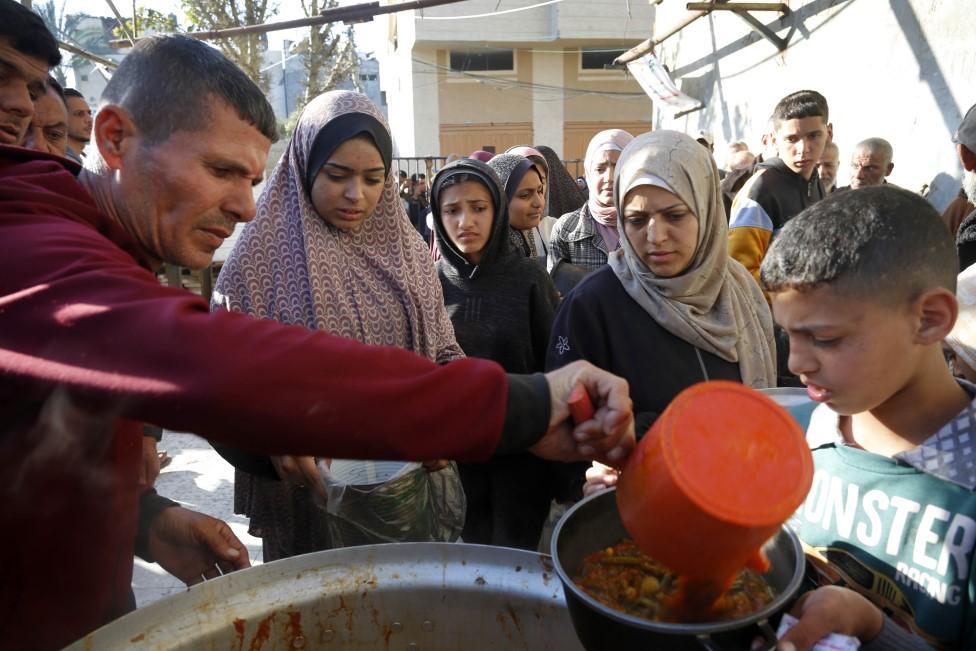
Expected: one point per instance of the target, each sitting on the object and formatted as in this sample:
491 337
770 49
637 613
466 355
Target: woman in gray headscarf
671 308
331 249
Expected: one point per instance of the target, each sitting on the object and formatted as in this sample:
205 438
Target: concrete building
457 83
901 70
286 79
369 82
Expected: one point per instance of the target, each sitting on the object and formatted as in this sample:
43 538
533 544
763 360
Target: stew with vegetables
626 579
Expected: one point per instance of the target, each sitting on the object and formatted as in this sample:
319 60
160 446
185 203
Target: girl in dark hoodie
502 306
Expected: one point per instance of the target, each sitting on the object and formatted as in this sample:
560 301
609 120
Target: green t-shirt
901 537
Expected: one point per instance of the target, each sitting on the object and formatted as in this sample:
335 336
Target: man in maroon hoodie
91 345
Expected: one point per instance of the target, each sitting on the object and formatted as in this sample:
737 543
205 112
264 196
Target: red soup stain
239 626
263 633
295 624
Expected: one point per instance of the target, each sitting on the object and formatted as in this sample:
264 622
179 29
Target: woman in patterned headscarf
585 237
331 249
525 191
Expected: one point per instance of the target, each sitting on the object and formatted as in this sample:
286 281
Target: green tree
147 21
246 51
79 29
329 55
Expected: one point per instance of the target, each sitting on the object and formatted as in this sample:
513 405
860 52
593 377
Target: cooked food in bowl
626 579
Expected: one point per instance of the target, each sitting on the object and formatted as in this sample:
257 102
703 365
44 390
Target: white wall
902 70
570 19
397 80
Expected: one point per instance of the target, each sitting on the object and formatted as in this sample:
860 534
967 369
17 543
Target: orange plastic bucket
713 479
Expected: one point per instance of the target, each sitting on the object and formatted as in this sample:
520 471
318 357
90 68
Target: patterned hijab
715 305
511 169
376 285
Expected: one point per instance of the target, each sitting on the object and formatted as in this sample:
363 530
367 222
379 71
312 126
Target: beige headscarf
715 304
376 285
962 339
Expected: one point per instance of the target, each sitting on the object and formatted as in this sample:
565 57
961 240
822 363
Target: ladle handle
580 405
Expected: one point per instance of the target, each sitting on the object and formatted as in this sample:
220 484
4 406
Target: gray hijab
715 305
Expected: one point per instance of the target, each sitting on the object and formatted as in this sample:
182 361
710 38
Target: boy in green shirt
863 283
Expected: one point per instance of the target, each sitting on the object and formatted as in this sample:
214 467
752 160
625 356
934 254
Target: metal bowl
416 596
594 524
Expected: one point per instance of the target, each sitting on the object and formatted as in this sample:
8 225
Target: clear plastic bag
372 502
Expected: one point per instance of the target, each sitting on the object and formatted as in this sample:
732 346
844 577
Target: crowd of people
335 331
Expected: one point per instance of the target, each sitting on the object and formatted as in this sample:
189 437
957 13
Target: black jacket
599 322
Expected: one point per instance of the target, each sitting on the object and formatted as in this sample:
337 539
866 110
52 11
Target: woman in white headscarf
585 237
671 308
331 249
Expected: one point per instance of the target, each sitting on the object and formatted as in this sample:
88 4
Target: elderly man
870 163
79 122
91 346
828 165
48 130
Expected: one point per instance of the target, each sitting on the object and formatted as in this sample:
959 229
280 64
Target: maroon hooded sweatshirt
91 345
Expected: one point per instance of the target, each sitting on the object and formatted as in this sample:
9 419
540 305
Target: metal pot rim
702 629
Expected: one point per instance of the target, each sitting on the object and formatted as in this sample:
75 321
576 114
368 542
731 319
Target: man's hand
301 471
192 546
831 609
608 437
149 470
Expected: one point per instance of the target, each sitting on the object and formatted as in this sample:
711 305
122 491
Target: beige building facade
456 81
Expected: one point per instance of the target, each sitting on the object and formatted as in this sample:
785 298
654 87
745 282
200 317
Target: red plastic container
714 478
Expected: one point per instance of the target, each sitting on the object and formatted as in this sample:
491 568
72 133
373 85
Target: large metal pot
417 596
594 523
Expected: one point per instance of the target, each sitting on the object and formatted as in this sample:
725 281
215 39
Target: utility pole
285 46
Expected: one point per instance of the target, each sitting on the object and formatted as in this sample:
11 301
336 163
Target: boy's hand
831 609
599 477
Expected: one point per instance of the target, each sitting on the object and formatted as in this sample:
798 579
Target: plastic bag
371 502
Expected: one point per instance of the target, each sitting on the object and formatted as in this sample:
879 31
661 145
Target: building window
597 58
496 60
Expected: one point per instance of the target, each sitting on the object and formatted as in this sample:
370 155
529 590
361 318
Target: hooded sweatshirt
770 198
502 308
